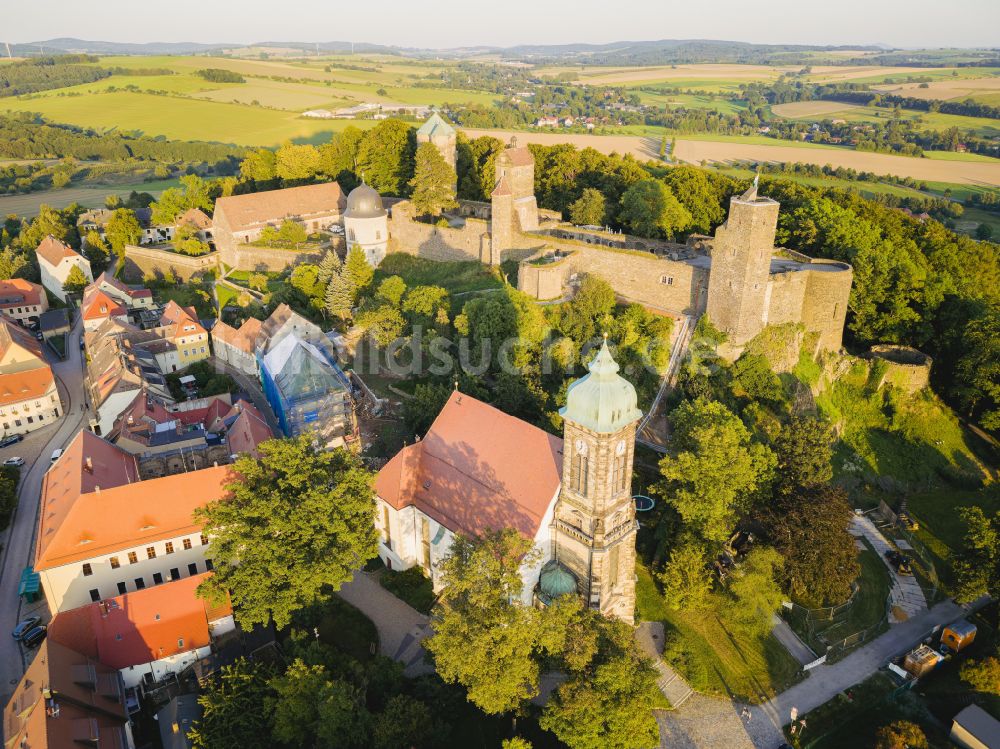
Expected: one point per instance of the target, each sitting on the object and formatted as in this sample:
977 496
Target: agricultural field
826 110
27 205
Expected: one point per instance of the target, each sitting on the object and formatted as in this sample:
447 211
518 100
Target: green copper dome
602 401
555 581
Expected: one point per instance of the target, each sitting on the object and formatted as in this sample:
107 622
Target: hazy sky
451 23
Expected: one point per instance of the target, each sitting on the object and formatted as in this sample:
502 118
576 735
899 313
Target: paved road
19 539
401 629
827 681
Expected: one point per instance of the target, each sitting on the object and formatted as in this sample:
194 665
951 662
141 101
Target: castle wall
905 367
148 261
658 283
824 307
469 242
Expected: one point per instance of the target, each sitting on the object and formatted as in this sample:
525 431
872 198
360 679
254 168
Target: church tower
594 525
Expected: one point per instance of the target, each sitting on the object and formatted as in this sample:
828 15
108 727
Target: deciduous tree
589 208
123 228
391 291
310 708
754 590
901 734
231 705
650 209
75 281
385 156
295 526
686 578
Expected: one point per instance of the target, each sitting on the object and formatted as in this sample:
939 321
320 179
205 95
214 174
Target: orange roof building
22 300
29 398
66 699
155 630
477 469
104 532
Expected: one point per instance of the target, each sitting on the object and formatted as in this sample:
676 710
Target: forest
46 73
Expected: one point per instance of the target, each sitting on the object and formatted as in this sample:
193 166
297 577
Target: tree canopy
295 526
433 183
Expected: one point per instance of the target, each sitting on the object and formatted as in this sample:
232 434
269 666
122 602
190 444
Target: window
133 557
151 552
95 594
425 534
31 420
87 570
175 573
386 534
180 642
668 280
618 475
169 547
204 540
193 568
612 576
115 564
187 543
122 589
157 578
578 474
209 564
140 583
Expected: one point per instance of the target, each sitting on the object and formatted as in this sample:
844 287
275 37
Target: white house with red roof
29 398
156 631
21 300
56 260
104 532
131 297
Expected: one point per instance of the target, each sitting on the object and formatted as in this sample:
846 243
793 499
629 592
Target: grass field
713 658
89 197
456 277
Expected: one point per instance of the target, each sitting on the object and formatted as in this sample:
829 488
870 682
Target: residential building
148 634
118 367
480 469
237 346
97 306
67 699
180 327
22 301
128 296
104 532
240 219
55 261
29 398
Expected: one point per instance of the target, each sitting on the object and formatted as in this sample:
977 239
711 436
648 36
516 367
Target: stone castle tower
738 288
594 525
513 204
442 135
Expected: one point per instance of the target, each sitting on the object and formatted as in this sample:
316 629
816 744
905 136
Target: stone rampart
905 367
141 262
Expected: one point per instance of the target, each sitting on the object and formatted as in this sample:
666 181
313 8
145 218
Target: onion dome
602 401
364 202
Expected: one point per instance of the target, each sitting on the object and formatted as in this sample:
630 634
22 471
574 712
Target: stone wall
149 261
824 306
905 367
469 242
654 281
272 259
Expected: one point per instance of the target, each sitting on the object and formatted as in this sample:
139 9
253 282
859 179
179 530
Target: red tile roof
477 469
240 212
140 627
90 511
53 250
104 278
196 217
248 431
98 305
519 156
243 339
21 386
16 292
12 334
502 187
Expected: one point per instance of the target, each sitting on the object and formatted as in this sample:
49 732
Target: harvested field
836 73
809 108
89 197
696 151
719 72
953 89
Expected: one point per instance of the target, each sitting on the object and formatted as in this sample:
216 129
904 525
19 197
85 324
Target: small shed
959 635
175 721
30 585
54 322
922 660
974 728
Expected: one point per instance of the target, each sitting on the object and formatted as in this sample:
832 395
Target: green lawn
347 629
713 658
457 277
188 295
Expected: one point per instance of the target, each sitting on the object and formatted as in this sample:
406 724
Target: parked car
56 454
11 440
34 636
14 462
23 626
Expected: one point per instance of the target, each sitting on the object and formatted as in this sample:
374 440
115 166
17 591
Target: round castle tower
366 223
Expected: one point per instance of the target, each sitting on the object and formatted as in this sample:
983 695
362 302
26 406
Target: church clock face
581 447
620 448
